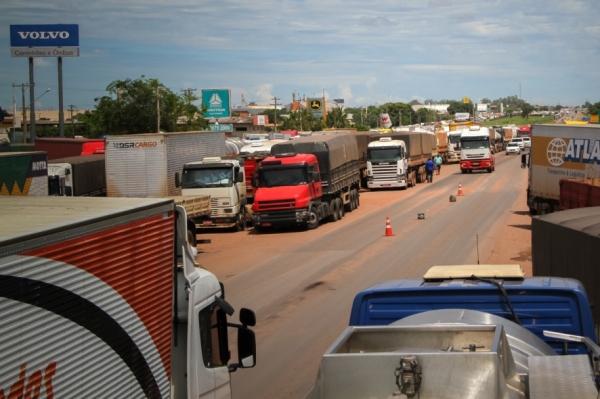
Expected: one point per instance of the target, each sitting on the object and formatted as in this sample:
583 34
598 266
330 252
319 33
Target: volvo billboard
44 40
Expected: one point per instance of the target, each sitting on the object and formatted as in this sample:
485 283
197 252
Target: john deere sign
316 106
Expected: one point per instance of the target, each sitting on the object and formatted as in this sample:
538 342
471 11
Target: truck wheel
490 170
333 211
348 206
313 218
240 224
357 196
191 238
258 229
341 212
354 199
413 178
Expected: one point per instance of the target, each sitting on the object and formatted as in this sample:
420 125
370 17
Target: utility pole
188 94
72 108
399 118
275 123
24 121
157 111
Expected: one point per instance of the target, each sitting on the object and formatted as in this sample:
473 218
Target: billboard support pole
61 114
32 105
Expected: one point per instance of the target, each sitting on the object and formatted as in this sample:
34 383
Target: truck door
207 371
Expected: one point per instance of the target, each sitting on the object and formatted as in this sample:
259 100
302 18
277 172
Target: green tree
337 118
132 107
526 109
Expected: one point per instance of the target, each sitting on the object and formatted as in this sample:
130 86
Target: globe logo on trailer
556 151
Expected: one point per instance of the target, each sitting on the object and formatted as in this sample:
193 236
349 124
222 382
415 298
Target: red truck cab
288 192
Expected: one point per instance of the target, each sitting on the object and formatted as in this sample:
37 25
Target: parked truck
481 331
224 181
579 193
476 150
253 155
509 132
24 173
558 152
398 159
105 300
307 180
58 147
144 166
82 175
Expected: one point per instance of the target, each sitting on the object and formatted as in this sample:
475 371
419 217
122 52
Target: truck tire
313 218
191 238
258 229
240 224
413 178
333 211
348 207
341 211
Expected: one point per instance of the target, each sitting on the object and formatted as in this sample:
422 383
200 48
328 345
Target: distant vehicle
527 142
518 140
513 148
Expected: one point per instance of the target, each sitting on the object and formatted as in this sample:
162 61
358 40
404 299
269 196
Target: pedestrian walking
429 167
438 163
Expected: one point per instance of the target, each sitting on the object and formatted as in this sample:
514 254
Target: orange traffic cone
388 228
460 189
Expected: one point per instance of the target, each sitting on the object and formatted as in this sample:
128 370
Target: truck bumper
476 164
386 184
216 222
295 217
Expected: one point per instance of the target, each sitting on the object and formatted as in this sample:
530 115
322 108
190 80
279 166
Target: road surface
301 283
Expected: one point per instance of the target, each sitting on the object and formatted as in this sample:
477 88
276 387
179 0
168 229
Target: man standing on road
438 163
429 167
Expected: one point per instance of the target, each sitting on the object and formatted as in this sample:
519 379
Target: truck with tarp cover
307 180
397 159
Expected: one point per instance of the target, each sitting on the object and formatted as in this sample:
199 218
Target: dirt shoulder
514 242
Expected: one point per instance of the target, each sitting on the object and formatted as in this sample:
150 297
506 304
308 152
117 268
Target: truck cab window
210 320
207 177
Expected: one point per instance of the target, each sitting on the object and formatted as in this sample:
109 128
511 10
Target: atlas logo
576 150
42 35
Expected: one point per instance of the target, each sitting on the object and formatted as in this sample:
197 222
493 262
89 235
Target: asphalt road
302 295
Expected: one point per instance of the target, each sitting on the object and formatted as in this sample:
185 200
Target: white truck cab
386 163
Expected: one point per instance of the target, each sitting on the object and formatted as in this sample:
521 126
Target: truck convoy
82 175
102 298
559 152
24 173
308 179
144 166
398 159
465 332
476 153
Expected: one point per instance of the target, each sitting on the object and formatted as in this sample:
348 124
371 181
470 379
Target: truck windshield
385 154
283 177
454 139
477 143
207 177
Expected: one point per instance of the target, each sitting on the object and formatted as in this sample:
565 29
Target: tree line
145 105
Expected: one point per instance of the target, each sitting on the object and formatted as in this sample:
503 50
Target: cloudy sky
366 52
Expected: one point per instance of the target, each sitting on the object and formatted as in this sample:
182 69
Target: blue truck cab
537 303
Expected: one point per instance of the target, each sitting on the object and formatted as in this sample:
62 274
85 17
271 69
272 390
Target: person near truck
429 167
438 163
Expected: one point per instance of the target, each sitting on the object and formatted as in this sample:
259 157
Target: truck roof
542 303
332 150
79 159
33 217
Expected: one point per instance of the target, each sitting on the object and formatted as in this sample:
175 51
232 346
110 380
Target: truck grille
277 205
384 172
475 156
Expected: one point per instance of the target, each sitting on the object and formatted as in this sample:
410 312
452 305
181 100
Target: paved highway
302 294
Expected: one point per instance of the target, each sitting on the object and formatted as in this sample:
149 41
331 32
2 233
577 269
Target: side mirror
240 177
246 348
177 182
523 160
247 317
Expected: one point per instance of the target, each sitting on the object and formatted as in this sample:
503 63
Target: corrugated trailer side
567 244
89 174
24 173
144 165
86 296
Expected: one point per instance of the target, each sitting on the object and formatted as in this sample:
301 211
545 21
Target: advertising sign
316 106
226 127
462 116
217 103
44 40
482 107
